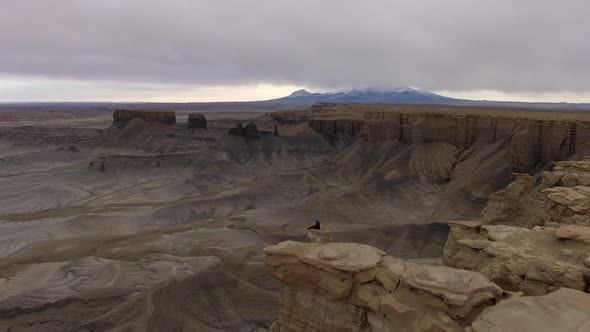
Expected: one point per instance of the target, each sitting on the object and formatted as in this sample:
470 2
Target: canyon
151 220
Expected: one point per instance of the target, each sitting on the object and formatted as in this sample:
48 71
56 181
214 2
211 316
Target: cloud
504 45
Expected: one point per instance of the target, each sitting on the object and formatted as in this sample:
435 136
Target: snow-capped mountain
396 95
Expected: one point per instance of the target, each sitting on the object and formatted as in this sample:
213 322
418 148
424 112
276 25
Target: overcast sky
182 50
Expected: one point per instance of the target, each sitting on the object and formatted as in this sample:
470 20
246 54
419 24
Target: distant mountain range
403 95
406 95
301 99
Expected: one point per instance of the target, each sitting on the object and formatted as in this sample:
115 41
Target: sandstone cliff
501 273
531 138
533 239
533 261
353 287
563 196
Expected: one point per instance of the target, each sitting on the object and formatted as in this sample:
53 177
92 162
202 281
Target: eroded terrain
149 226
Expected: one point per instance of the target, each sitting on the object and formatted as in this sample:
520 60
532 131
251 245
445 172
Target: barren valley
135 222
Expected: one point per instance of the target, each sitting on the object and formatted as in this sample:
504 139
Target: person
316 226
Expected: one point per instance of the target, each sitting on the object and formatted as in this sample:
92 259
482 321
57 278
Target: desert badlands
442 219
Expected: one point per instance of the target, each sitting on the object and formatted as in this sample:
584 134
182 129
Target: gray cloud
508 45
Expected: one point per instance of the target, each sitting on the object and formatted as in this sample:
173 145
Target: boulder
196 121
563 310
122 117
574 232
569 201
438 288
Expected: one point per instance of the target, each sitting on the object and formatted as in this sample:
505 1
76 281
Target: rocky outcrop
533 261
525 266
568 204
562 310
532 138
563 197
122 117
574 232
516 205
196 121
353 287
248 132
568 174
533 239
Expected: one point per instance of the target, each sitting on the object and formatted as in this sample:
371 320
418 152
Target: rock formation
248 132
562 197
499 275
353 287
568 174
289 117
533 261
122 117
531 140
562 310
533 239
196 121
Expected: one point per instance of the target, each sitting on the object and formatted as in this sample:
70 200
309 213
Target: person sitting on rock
316 226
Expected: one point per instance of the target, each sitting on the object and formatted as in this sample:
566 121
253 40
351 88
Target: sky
201 50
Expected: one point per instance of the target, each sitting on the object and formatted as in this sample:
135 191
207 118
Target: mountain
405 95
302 99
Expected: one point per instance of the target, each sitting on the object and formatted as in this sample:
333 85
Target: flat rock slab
577 199
344 256
563 310
454 286
574 232
350 257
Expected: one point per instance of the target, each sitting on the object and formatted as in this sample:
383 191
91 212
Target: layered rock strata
353 287
502 273
533 239
532 140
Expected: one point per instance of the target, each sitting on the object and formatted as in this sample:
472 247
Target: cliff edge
530 137
499 274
